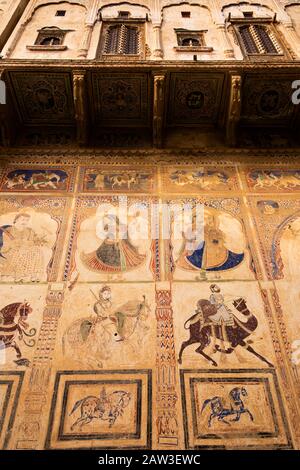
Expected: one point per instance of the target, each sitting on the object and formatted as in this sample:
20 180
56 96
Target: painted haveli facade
200 74
163 342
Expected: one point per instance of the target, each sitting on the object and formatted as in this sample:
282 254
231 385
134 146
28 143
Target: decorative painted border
146 372
13 396
234 376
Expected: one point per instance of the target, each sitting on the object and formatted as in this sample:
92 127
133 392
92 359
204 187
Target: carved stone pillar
219 21
158 52
292 38
8 122
15 40
234 109
287 28
80 106
158 109
86 41
227 47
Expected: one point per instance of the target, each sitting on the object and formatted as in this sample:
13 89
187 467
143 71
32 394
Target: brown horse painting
12 328
108 407
203 329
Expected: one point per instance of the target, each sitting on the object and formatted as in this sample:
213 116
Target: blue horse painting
236 409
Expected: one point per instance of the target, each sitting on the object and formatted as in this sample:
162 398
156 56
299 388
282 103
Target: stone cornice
13 64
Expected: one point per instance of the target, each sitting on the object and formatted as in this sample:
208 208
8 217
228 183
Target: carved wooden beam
234 109
80 105
8 121
158 109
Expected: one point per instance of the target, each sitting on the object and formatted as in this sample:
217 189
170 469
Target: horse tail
206 402
77 404
30 333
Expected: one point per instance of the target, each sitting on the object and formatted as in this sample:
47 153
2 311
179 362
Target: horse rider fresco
220 319
102 308
224 314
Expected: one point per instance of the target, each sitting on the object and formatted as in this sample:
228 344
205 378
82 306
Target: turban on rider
104 289
215 288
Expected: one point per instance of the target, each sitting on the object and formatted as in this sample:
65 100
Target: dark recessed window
51 41
190 39
124 14
248 14
186 14
190 42
60 13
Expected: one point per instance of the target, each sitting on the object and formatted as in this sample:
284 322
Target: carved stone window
50 38
53 33
258 38
191 41
122 39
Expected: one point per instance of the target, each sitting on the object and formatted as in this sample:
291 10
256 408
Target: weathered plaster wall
84 18
45 16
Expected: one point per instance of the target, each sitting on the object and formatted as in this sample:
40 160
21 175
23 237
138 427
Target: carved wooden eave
80 104
234 109
158 109
87 99
8 123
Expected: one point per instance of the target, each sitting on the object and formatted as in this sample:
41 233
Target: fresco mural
120 180
110 329
241 409
38 179
149 304
21 311
277 179
30 229
103 248
224 325
193 179
218 250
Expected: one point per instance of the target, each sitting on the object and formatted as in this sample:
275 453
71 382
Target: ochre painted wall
106 317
